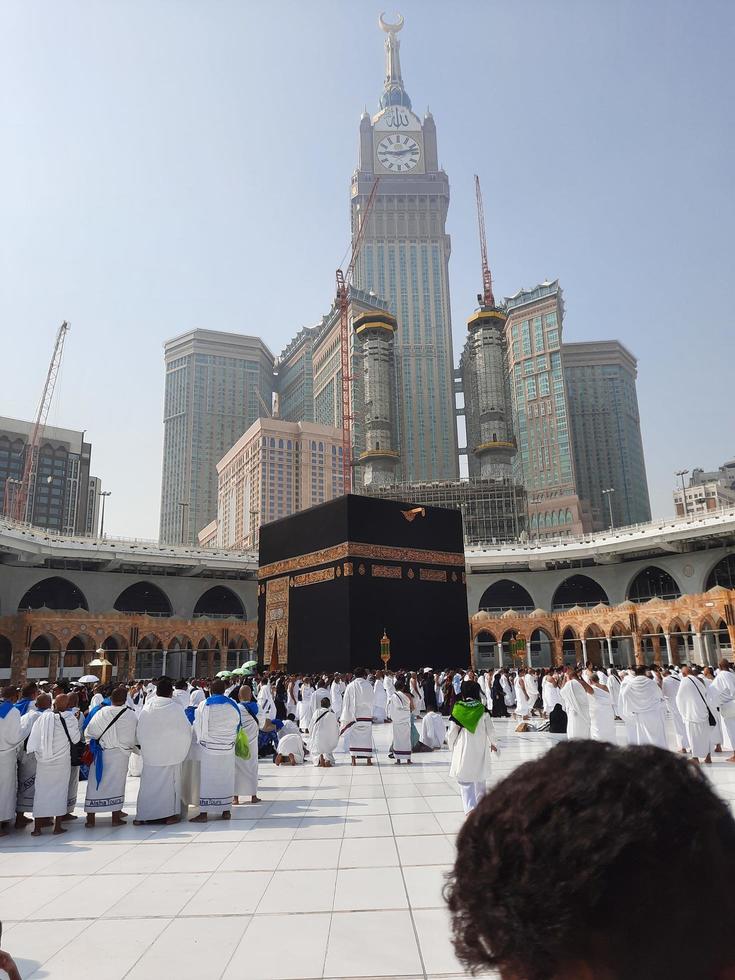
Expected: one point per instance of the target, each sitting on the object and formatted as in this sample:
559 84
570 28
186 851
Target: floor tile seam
405 888
118 899
162 933
334 898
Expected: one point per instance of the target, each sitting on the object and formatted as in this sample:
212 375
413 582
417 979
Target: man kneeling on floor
291 749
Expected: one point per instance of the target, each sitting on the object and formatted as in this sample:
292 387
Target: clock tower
404 258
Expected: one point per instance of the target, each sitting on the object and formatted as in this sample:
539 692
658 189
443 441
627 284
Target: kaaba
335 577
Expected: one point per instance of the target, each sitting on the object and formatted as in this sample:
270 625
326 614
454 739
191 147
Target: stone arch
652 649
238 652
53 592
149 658
506 594
208 656
179 656
594 641
486 650
652 582
540 647
43 655
116 648
76 653
722 573
219 602
570 646
621 643
6 652
144 598
578 590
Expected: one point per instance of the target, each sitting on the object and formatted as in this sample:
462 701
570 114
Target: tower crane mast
19 506
488 299
343 281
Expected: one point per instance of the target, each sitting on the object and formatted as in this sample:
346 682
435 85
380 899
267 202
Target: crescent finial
390 28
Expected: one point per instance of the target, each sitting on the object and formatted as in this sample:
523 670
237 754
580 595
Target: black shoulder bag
710 717
76 749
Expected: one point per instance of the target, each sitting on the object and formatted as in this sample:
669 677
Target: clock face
398 153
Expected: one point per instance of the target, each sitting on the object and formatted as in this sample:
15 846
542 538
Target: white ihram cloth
323 735
304 706
53 763
164 735
692 702
196 697
471 755
713 697
523 703
670 689
117 743
266 704
292 744
357 718
400 713
182 697
531 688
380 701
613 686
508 695
602 727
417 694
10 738
246 770
27 762
433 730
71 796
576 704
551 695
641 701
215 729
389 683
335 697
724 684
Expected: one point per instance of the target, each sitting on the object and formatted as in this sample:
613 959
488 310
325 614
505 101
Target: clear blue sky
170 164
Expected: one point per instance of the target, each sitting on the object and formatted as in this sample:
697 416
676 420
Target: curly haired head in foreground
597 862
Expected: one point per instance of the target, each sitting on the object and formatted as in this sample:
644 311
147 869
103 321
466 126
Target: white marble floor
338 873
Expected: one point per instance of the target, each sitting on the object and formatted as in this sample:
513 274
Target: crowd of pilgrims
197 742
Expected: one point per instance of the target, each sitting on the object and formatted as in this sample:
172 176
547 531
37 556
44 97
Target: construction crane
343 282
487 298
19 505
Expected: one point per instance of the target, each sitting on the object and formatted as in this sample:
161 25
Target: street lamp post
682 474
103 494
608 493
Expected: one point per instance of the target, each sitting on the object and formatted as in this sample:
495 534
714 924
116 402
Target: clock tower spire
393 90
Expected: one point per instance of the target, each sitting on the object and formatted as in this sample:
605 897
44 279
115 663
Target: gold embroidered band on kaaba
357 549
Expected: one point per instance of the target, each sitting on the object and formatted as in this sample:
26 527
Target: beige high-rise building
275 469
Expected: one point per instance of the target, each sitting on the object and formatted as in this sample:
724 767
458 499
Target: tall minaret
491 442
404 259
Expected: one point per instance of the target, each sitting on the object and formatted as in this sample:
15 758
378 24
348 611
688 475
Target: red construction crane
19 505
487 297
343 282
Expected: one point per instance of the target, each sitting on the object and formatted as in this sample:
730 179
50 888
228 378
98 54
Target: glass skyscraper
605 426
544 463
217 385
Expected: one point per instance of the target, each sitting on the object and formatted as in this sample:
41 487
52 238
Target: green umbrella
251 663
238 671
224 673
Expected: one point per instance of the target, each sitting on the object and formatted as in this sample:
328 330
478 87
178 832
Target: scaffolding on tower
19 494
343 282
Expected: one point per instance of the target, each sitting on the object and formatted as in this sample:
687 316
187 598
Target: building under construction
59 496
492 510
